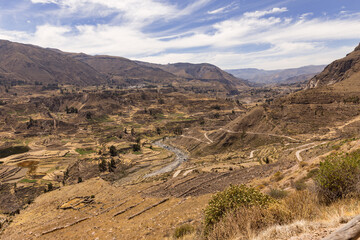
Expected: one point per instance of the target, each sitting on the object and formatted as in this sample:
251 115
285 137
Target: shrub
338 176
277 176
183 230
216 107
85 151
301 205
278 193
231 199
71 110
312 173
300 184
50 187
136 147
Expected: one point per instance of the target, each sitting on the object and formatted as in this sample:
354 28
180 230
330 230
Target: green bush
183 230
231 199
338 176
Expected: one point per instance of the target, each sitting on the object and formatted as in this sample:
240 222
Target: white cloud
292 42
216 11
135 12
258 14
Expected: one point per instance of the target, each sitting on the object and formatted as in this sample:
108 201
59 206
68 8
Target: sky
232 34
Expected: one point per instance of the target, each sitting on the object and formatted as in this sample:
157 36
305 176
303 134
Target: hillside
340 70
200 71
310 114
281 76
30 64
122 69
204 71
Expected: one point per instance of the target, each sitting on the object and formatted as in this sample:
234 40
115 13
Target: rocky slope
338 71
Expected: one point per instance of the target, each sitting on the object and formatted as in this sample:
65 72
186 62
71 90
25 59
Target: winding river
180 157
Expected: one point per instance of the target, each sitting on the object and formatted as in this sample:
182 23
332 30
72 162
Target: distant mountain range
32 64
281 76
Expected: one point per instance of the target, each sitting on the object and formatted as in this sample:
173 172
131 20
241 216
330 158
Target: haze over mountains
285 76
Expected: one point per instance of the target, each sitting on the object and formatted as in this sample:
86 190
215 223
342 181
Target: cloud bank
269 38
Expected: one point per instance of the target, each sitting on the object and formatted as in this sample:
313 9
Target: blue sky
268 34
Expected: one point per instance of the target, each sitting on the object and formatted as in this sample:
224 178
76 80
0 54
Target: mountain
347 68
121 69
30 64
23 63
277 76
203 71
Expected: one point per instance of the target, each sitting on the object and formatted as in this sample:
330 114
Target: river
180 157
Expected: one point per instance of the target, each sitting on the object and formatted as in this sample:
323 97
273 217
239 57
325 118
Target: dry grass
299 216
246 223
328 219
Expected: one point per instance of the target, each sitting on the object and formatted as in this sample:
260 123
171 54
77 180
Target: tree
136 147
113 163
110 168
158 130
113 151
102 166
88 115
50 187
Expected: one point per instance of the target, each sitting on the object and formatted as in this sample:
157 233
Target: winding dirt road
311 145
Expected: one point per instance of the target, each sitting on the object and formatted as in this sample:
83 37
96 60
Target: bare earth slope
32 64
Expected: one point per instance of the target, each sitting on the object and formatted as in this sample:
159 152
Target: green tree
113 151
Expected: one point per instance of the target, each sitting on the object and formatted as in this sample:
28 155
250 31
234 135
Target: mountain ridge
338 71
278 76
26 63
